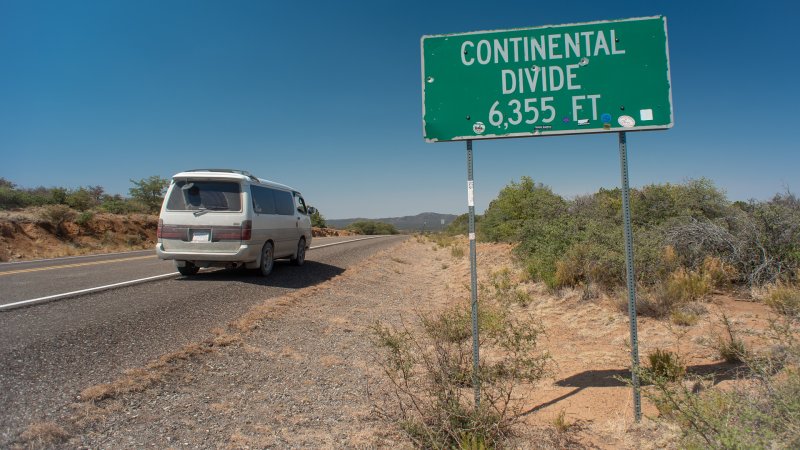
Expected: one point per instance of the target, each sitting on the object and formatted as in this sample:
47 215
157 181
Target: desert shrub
460 225
758 410
718 273
115 204
683 318
369 227
84 218
666 365
784 299
503 289
684 286
56 216
661 299
80 199
561 423
442 240
517 203
431 373
457 251
728 344
690 225
318 220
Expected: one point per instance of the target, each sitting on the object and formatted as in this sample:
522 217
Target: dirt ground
301 371
26 234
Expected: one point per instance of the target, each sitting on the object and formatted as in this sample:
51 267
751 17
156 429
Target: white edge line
137 281
352 240
86 291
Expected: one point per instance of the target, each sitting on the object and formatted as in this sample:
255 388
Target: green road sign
562 79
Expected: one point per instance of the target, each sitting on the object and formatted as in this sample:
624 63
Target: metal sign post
473 262
626 215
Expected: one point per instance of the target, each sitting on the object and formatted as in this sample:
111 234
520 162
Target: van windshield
193 195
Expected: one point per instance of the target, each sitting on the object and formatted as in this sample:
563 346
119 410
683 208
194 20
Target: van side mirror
312 210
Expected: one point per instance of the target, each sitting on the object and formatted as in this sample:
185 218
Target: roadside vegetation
690 243
431 370
370 227
688 238
145 197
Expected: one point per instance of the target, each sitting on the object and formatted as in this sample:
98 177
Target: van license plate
201 236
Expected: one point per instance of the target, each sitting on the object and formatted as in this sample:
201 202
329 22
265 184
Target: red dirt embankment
28 234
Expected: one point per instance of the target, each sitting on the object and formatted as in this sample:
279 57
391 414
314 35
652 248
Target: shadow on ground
284 275
717 372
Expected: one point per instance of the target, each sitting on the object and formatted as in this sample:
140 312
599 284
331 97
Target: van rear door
204 215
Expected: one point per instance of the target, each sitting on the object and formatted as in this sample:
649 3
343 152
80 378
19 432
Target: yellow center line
67 266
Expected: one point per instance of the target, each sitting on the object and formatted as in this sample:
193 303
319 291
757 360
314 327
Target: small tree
318 220
149 191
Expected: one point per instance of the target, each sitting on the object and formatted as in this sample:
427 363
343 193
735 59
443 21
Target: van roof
231 174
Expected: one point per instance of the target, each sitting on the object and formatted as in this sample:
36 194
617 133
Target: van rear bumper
245 253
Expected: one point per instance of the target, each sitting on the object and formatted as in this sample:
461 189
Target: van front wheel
300 256
267 259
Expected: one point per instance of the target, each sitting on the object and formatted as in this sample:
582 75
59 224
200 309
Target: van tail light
170 231
247 230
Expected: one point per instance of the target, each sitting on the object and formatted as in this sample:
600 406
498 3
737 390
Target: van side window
300 204
263 200
284 202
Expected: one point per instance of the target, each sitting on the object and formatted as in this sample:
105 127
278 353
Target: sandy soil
302 371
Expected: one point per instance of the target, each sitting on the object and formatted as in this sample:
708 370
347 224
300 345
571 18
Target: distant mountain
427 221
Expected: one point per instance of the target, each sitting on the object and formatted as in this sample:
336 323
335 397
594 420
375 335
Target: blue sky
326 97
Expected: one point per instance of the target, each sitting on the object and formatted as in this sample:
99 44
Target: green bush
318 220
460 225
149 192
759 409
369 227
56 216
431 374
691 226
665 364
84 218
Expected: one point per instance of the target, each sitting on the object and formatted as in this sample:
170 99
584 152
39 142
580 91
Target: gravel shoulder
295 371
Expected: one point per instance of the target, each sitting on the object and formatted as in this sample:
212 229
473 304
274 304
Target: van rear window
205 195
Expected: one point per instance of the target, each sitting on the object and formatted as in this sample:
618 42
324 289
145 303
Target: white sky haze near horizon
326 97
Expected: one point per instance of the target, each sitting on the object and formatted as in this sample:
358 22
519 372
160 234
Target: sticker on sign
551 80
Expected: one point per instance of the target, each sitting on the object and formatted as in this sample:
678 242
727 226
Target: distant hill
426 221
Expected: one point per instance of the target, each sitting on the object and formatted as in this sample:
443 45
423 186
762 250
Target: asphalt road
50 351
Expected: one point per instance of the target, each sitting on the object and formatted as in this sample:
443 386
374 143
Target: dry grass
43 435
784 299
140 378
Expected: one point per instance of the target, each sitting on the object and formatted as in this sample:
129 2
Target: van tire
267 259
300 257
188 269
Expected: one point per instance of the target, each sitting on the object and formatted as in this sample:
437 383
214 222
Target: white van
229 218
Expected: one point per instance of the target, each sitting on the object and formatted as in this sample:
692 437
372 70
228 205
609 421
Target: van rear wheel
267 259
300 256
188 269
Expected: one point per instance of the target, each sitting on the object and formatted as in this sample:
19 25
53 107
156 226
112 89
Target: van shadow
716 372
284 275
